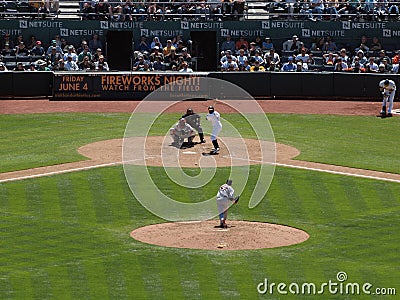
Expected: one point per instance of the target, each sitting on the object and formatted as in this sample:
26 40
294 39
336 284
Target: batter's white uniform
388 93
214 118
224 198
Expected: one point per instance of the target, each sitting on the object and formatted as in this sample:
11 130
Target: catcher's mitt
236 199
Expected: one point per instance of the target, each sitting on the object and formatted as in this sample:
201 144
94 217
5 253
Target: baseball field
66 219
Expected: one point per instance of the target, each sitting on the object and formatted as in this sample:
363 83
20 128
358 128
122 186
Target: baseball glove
236 199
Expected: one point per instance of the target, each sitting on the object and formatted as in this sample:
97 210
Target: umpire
193 120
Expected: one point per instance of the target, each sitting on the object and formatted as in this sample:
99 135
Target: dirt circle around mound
240 235
158 151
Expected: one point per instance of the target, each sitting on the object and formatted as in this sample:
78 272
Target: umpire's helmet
189 111
211 109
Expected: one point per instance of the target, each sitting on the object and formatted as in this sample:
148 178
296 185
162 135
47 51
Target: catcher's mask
211 109
182 121
189 111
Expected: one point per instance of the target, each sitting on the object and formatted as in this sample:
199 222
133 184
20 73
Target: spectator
257 67
252 50
71 53
229 65
330 45
95 56
85 53
3 67
371 66
343 55
361 57
168 48
116 10
7 51
363 44
317 9
382 56
258 42
7 40
60 66
376 44
53 58
88 12
396 57
292 45
382 69
139 63
70 63
38 50
19 39
54 44
32 42
228 44
228 55
273 58
340 65
289 66
95 43
156 42
303 56
185 68
318 44
356 67
158 64
101 64
179 47
21 50
102 10
41 65
19 67
388 66
156 52
267 44
143 44
299 67
241 44
257 57
171 60
186 56
330 58
241 58
85 64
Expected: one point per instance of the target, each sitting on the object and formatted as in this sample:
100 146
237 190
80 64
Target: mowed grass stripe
101 201
188 276
224 267
133 276
67 197
353 195
98 285
151 271
170 276
85 205
386 194
60 282
34 199
204 270
6 289
4 201
79 280
42 285
50 199
116 281
22 285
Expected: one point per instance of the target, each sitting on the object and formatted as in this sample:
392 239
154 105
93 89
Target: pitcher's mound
240 235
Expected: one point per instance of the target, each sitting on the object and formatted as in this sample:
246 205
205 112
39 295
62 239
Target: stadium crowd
258 55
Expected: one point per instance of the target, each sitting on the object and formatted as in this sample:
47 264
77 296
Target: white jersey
225 192
391 87
214 118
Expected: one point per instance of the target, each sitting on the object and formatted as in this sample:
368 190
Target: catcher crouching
180 132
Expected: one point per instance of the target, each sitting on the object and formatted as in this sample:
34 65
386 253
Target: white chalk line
321 170
226 156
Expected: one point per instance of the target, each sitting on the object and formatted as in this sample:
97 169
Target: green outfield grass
67 236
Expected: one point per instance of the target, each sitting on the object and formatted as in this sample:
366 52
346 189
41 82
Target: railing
212 10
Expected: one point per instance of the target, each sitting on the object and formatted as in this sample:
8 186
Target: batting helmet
386 82
229 182
211 109
189 111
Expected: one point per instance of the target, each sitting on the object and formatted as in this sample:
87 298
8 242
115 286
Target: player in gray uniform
214 118
180 132
193 120
225 196
388 89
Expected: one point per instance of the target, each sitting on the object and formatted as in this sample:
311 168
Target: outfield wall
137 85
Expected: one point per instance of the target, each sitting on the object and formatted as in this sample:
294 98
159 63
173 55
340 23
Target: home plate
189 152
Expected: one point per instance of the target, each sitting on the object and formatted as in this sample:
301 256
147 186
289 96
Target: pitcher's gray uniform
388 89
224 198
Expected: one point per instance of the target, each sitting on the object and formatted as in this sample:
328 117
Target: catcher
388 89
193 120
180 132
224 198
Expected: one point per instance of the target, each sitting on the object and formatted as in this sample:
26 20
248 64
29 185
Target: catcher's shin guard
201 136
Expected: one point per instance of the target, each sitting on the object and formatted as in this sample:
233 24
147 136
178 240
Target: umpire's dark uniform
194 120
